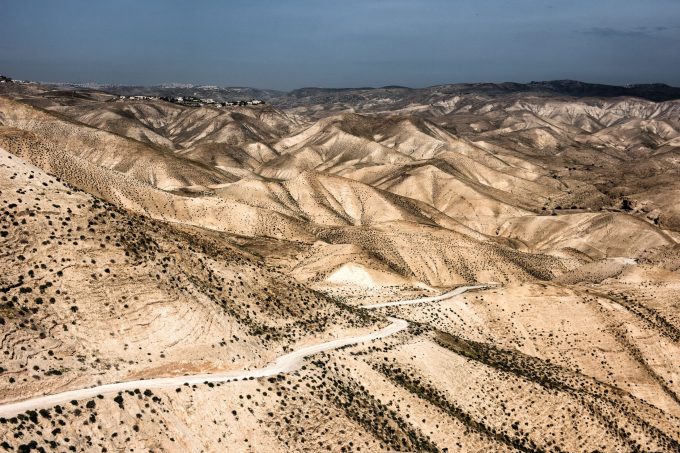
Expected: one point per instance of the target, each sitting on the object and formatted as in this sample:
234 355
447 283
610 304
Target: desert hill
143 162
84 272
520 240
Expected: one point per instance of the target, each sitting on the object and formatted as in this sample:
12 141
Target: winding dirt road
422 300
283 364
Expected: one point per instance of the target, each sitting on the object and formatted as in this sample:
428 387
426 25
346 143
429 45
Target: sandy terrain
458 268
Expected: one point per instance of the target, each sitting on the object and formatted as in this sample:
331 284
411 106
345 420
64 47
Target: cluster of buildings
190 101
5 79
138 98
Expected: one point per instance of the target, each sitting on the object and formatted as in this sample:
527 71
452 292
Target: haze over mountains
652 92
146 239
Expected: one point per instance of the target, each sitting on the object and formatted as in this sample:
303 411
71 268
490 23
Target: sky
287 44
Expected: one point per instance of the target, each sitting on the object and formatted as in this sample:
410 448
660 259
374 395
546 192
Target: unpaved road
448 295
284 364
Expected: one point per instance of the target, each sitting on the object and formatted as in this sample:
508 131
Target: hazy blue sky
294 43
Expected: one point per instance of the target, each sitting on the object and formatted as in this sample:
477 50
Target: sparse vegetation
146 239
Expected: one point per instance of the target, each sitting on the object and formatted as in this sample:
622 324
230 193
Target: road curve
283 364
448 295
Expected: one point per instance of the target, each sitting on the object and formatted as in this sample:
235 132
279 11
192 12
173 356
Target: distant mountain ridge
657 92
219 94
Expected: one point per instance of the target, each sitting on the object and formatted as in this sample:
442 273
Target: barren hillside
149 239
